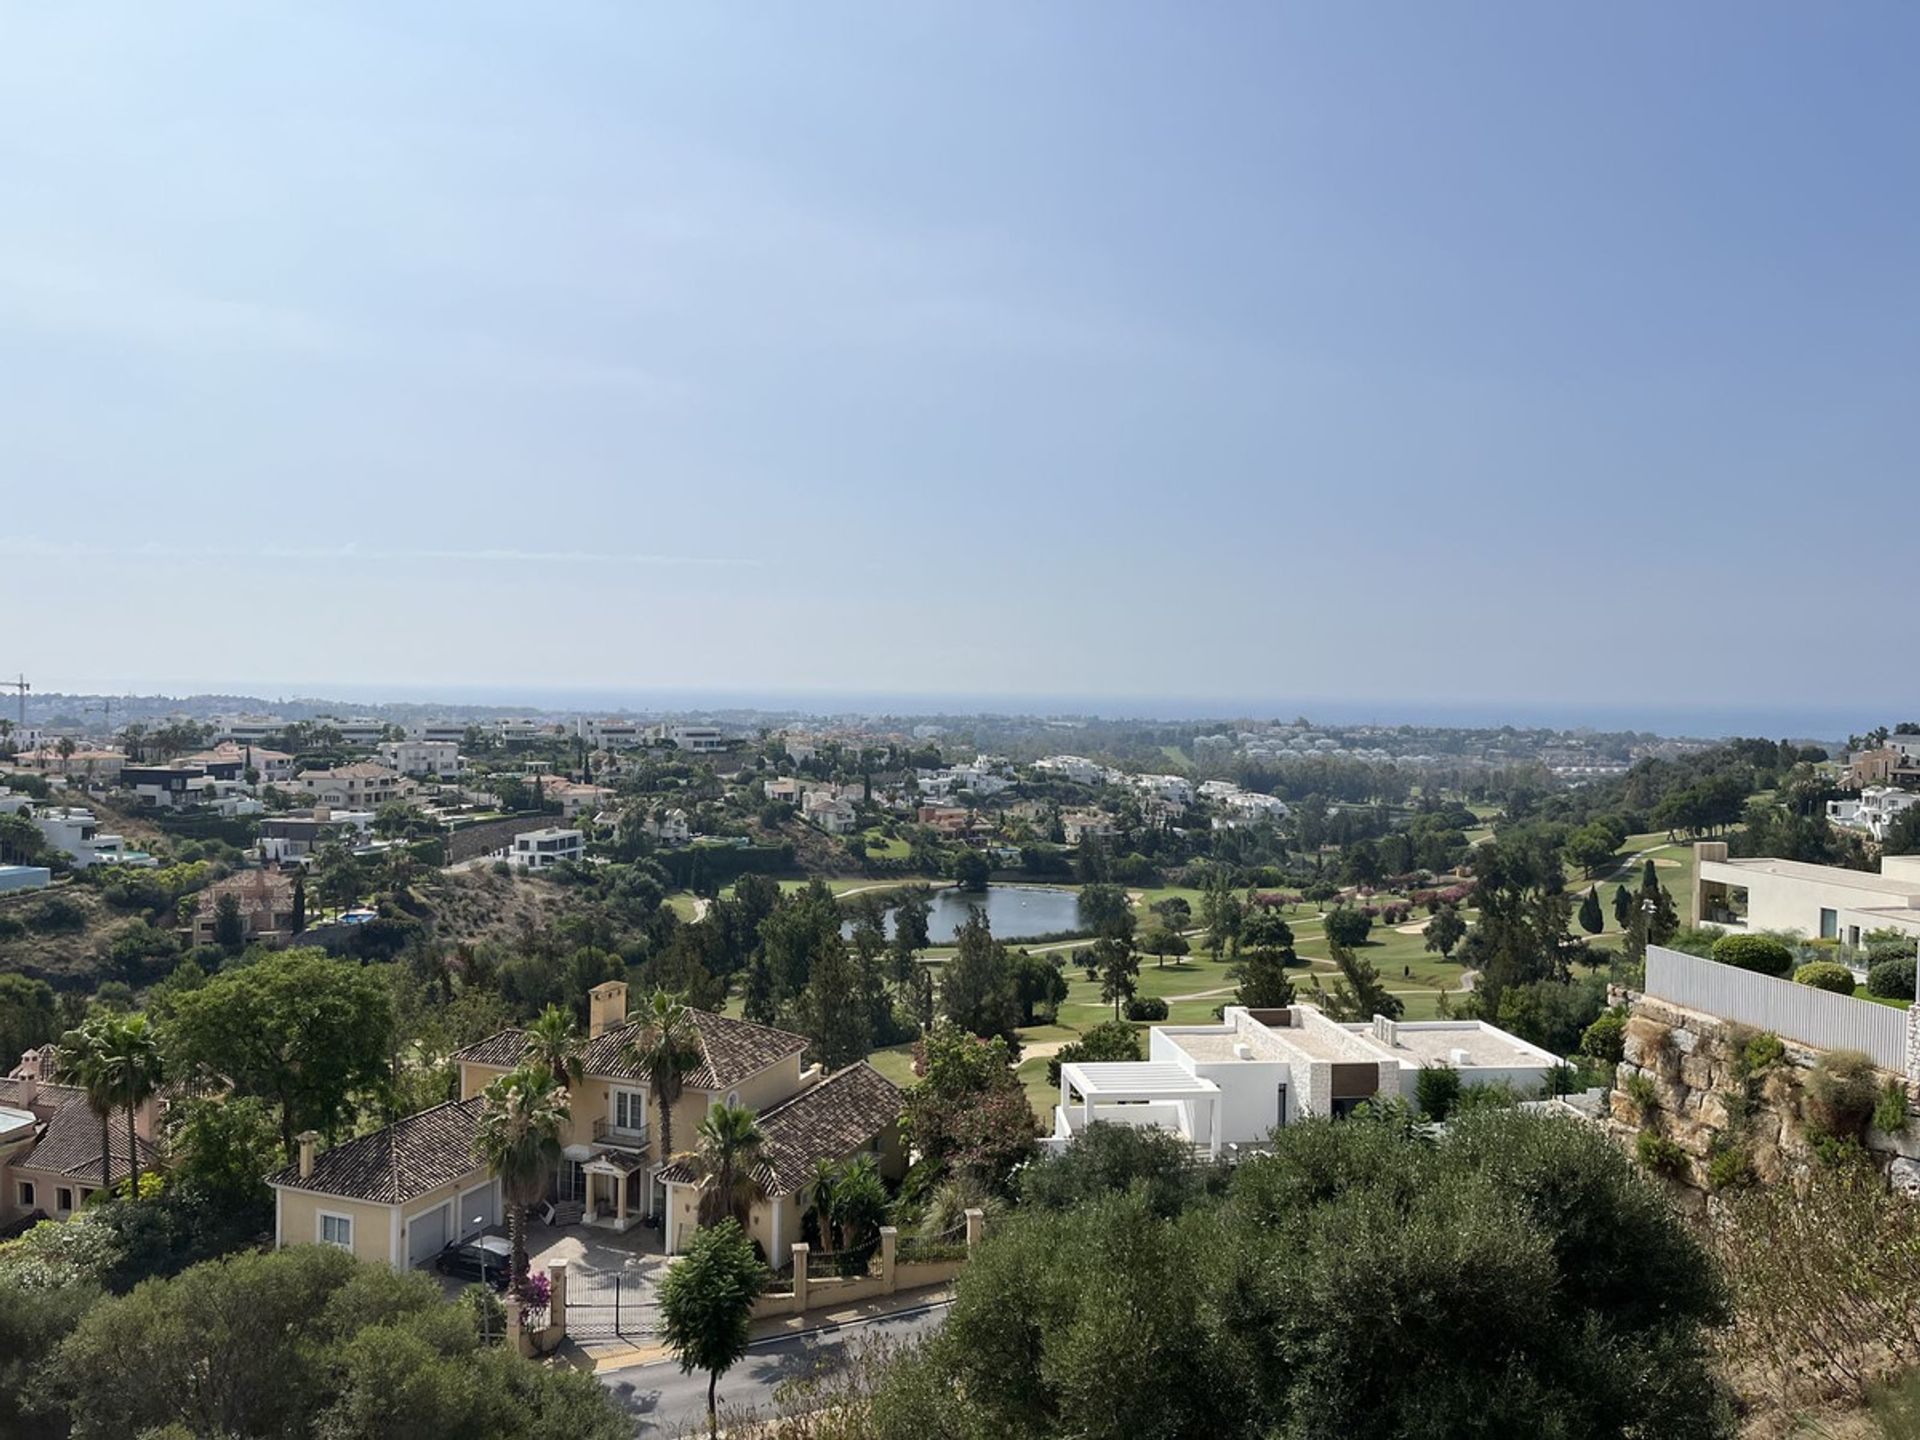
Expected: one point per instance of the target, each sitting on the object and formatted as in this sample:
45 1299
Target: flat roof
1132 1078
1818 875
1484 1046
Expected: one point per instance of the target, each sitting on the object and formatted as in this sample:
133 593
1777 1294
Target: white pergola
1154 1092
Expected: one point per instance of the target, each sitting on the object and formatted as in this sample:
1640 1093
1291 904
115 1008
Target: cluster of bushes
1146 1007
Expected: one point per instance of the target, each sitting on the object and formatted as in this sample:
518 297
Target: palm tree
130 1053
730 1143
521 1117
82 1063
665 1049
552 1044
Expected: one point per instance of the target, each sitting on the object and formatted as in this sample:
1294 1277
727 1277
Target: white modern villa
1232 1084
1823 901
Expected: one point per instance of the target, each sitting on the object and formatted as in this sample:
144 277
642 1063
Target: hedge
1761 953
1892 979
1825 975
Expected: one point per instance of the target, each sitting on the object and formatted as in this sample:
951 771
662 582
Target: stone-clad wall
1691 1061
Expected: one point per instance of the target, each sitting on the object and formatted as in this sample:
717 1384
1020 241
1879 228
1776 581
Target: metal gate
607 1307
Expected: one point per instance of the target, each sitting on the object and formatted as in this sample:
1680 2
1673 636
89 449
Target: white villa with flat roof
1233 1083
1823 901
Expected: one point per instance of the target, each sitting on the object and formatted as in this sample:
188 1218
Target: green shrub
1729 1169
1147 1007
1606 1037
1347 926
57 913
1892 979
1760 953
1437 1088
1825 975
12 927
1842 1093
1890 1110
1696 940
1761 1051
1109 1040
1643 1093
1659 1154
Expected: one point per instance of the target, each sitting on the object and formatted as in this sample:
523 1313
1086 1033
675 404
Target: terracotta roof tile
396 1164
829 1121
69 1143
731 1051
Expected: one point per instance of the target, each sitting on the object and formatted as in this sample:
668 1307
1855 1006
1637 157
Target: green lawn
882 846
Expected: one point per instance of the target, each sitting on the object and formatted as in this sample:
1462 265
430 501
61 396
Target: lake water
1014 912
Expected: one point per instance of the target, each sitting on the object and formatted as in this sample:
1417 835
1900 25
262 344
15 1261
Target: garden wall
1690 1080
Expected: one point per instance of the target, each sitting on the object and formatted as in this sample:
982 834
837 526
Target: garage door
478 1210
427 1235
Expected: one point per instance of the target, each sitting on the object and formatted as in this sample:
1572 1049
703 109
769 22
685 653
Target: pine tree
1623 907
1263 981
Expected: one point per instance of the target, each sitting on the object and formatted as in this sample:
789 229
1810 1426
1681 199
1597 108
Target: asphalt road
663 1401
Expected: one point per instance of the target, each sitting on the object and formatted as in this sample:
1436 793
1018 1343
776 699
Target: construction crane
105 707
19 683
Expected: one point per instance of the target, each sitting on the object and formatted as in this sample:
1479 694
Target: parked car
485 1257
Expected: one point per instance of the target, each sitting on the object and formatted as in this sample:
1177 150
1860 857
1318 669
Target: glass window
1829 924
65 1198
26 1193
629 1110
336 1230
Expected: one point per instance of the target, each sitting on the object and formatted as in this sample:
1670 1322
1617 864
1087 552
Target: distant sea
1797 721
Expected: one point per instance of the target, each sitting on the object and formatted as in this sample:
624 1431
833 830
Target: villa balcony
605 1132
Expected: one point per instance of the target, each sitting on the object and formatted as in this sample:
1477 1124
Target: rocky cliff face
1726 1105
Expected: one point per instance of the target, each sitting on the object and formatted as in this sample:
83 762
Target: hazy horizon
1492 354
1800 722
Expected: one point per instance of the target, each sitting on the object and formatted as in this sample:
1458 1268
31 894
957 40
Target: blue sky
1375 352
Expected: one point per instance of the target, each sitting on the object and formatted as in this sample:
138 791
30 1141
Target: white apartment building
611 734
1077 768
244 728
76 834
449 732
1252 805
515 727
360 786
1233 1083
669 827
1823 901
1874 812
698 739
1173 789
543 849
358 730
829 812
1081 825
424 759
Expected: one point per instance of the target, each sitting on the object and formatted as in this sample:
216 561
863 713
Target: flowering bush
535 1297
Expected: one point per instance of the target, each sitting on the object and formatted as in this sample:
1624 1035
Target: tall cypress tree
1591 920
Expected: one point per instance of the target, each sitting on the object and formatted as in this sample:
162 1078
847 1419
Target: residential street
664 1401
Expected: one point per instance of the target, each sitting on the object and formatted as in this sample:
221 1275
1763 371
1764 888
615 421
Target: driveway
665 1401
612 1280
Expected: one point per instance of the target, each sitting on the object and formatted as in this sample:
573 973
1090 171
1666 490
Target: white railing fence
1794 1012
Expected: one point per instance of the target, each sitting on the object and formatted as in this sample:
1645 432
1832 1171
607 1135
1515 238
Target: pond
1014 912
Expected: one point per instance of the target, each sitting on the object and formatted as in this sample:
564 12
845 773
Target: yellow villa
402 1193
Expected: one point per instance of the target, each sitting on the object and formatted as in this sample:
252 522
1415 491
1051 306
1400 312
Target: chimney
308 1139
606 1007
